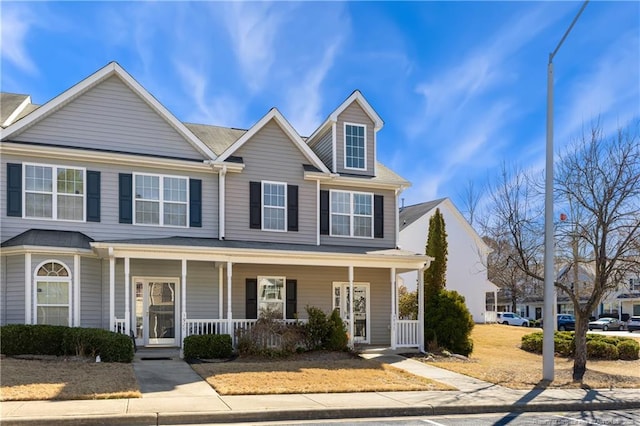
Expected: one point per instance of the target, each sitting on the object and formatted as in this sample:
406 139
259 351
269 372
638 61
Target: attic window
355 146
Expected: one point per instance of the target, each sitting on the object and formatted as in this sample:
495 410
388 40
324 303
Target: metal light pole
549 285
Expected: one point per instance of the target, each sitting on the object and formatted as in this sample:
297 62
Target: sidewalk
172 393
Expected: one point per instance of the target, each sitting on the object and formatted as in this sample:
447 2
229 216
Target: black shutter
292 207
93 196
126 197
251 307
255 205
324 212
291 310
378 216
195 203
14 189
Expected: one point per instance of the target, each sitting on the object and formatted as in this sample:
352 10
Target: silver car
605 324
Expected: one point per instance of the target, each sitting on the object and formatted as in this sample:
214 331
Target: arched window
53 293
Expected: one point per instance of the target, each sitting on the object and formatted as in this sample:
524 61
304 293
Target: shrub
451 322
316 328
208 346
629 350
269 336
532 342
61 340
599 349
337 339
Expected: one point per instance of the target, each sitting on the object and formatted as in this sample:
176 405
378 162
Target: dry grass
56 378
497 358
316 373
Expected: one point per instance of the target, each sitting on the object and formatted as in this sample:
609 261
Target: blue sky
461 86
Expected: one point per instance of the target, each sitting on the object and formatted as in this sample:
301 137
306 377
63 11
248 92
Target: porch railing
221 326
407 333
119 325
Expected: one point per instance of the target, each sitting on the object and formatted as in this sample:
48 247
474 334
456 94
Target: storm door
361 324
156 304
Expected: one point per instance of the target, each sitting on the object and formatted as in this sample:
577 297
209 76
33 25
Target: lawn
497 358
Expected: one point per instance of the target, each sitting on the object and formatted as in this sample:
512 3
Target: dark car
606 324
566 322
633 324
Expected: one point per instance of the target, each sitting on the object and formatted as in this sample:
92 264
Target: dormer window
355 146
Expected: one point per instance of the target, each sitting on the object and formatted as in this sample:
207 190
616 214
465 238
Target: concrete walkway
172 393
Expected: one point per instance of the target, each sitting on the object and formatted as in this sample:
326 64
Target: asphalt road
585 418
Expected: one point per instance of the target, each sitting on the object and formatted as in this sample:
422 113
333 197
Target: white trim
54 192
317 212
334 149
344 145
93 80
16 112
220 291
76 290
283 297
183 307
47 250
161 201
420 291
351 214
112 290
229 295
28 289
127 294
262 206
274 114
69 279
362 182
394 305
221 201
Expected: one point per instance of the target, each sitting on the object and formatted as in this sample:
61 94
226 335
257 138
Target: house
467 255
117 215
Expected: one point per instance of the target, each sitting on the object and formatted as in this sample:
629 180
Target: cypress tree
435 275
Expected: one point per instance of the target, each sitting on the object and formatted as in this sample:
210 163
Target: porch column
220 292
394 308
495 306
28 289
421 309
183 302
229 312
127 295
112 290
351 320
76 290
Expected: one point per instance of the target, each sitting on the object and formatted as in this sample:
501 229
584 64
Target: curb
318 414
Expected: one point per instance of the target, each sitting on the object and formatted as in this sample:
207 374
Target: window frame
283 295
53 279
161 201
54 192
351 214
263 206
344 129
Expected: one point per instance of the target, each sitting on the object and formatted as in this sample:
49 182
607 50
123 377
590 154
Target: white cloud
16 20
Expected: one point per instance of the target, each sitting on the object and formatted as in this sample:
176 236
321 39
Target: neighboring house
117 215
467 257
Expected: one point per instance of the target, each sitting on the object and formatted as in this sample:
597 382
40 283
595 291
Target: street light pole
549 285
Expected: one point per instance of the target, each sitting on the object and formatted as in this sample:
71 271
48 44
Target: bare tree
470 197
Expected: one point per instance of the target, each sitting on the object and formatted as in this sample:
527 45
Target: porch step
157 354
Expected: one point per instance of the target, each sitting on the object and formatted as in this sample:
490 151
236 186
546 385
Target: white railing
490 316
221 326
407 333
119 325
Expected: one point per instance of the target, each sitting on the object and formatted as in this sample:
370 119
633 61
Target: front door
156 311
361 327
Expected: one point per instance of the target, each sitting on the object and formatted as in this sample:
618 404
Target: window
53 192
355 151
351 214
53 293
271 295
274 209
160 200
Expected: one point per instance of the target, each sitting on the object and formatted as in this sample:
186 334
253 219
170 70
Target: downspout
221 201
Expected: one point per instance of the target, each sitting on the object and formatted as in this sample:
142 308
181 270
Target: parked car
509 318
565 322
605 324
633 324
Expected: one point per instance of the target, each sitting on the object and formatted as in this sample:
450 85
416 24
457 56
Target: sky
461 86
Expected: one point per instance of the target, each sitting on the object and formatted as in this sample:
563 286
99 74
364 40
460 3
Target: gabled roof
275 115
356 96
13 106
94 79
50 238
217 138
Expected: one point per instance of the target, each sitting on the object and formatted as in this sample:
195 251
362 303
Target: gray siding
109 227
270 155
354 114
324 149
13 290
315 286
110 116
202 290
389 222
91 292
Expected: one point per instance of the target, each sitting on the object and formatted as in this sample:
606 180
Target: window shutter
292 299
255 205
292 207
14 189
378 216
195 203
251 307
324 212
93 196
126 197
